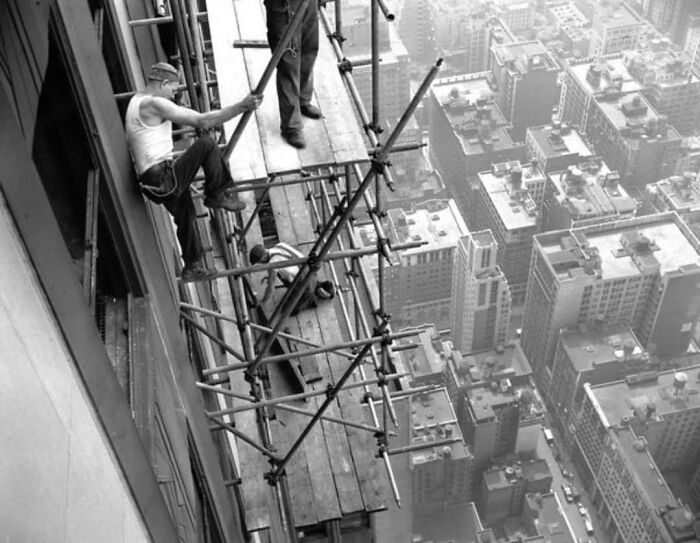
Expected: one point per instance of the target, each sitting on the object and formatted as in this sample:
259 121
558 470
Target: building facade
630 435
510 199
480 313
527 78
616 28
418 287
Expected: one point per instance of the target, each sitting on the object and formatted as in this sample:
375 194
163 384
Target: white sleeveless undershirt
149 144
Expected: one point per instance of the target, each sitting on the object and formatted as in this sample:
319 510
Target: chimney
516 176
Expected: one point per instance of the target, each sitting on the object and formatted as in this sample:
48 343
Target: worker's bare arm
165 109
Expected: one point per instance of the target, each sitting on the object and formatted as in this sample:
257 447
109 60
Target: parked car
589 525
567 492
566 473
548 435
581 509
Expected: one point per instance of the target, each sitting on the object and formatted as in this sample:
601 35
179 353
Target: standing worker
149 133
295 70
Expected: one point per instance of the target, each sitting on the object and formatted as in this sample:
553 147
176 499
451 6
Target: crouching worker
166 181
323 290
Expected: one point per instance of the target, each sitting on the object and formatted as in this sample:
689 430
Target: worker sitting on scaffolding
324 290
165 180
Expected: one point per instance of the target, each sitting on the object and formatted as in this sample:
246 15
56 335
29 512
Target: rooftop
497 393
621 399
507 187
589 347
566 14
551 522
433 419
504 476
525 56
606 75
469 106
591 190
616 15
559 139
424 359
483 238
438 223
654 244
660 66
452 524
680 193
474 369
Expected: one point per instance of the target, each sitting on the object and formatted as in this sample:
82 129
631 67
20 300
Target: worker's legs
309 52
182 209
206 154
289 65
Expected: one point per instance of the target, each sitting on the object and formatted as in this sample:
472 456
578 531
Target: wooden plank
280 157
345 478
344 132
298 209
372 478
251 464
246 161
284 434
308 365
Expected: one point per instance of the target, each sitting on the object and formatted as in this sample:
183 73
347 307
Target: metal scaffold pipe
196 32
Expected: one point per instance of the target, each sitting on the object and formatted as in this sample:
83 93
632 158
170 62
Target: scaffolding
334 193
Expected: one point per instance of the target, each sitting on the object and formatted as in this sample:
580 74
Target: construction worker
295 70
324 290
165 180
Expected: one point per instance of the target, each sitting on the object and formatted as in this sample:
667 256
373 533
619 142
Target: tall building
503 488
518 15
418 287
510 197
604 100
674 17
632 435
669 83
498 408
417 31
616 28
468 133
584 194
692 47
593 354
480 313
642 272
442 476
394 87
556 146
526 76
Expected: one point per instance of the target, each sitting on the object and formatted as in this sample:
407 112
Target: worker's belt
159 180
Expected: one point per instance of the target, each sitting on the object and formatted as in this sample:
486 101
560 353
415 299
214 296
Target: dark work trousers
168 183
295 70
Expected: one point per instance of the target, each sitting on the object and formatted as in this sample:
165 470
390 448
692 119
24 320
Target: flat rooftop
658 243
591 190
504 476
586 348
613 75
619 399
475 368
552 524
566 14
681 193
513 203
491 395
424 359
525 56
663 66
454 523
643 468
468 104
617 15
436 222
559 140
433 419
